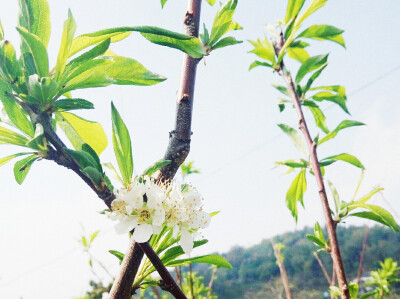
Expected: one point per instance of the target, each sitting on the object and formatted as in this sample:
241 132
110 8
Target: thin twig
282 269
363 250
177 151
312 147
321 264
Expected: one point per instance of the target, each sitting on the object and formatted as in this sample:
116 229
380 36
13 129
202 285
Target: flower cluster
146 207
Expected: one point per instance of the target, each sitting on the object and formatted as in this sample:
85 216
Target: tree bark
177 151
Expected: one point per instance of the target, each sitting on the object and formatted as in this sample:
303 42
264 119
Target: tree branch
177 151
312 147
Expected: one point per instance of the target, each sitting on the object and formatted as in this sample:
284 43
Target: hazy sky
235 140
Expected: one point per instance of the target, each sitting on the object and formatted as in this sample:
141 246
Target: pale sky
235 140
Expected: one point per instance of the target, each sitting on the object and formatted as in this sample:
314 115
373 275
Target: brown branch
364 248
312 147
321 264
211 283
282 269
177 151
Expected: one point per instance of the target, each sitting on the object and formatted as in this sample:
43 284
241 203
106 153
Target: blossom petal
125 226
186 241
142 233
159 216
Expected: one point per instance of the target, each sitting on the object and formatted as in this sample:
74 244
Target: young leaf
72 104
316 241
293 9
35 17
96 51
353 290
80 131
318 115
9 137
66 41
336 197
88 149
264 49
310 65
343 125
295 137
176 251
368 196
211 2
223 22
83 158
259 63
298 54
1 32
314 77
38 51
93 174
227 41
211 259
324 32
118 254
9 158
22 167
156 166
346 158
8 62
314 6
18 116
379 214
163 3
122 145
335 98
296 192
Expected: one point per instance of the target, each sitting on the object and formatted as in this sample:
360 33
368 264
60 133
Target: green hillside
256 275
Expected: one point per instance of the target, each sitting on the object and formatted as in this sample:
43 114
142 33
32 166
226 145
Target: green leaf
176 251
264 49
122 145
298 54
96 51
127 71
319 116
212 259
9 158
346 158
42 90
310 65
8 62
335 98
295 137
89 39
227 41
72 104
334 291
192 46
293 9
314 77
259 63
353 290
335 195
211 2
156 166
318 233
316 241
18 116
314 6
281 89
22 167
80 131
1 32
83 158
379 214
66 41
368 196
324 32
163 3
88 149
38 51
9 137
223 22
115 173
296 192
93 236
118 254
35 17
93 174
343 125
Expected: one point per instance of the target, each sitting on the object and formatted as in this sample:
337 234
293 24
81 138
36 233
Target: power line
261 145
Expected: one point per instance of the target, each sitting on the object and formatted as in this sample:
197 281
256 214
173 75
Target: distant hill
256 275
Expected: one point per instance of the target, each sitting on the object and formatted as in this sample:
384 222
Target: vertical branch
312 147
364 248
177 151
282 269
